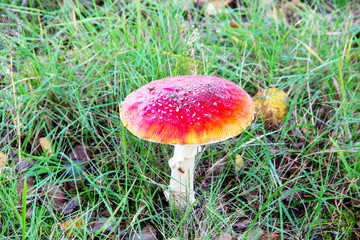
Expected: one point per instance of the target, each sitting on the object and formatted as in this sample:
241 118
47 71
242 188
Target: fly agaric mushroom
187 111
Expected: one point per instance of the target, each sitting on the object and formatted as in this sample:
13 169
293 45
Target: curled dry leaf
234 25
271 105
46 146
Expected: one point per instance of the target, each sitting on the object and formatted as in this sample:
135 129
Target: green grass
75 63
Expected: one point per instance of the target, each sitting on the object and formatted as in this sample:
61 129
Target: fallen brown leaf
234 25
2 159
243 223
71 205
271 236
146 233
225 236
24 164
296 196
54 196
80 153
46 146
105 225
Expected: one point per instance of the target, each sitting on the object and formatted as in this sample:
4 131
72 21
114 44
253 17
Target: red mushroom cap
187 110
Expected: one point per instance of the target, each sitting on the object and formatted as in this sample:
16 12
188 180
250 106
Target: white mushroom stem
182 166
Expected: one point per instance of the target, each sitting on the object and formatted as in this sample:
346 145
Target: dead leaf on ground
271 105
79 156
24 164
71 205
2 159
73 185
239 162
106 212
225 236
80 153
69 227
105 225
271 236
75 168
146 233
294 196
234 25
46 146
30 191
243 223
54 196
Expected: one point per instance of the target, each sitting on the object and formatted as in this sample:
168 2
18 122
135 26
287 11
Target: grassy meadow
66 66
